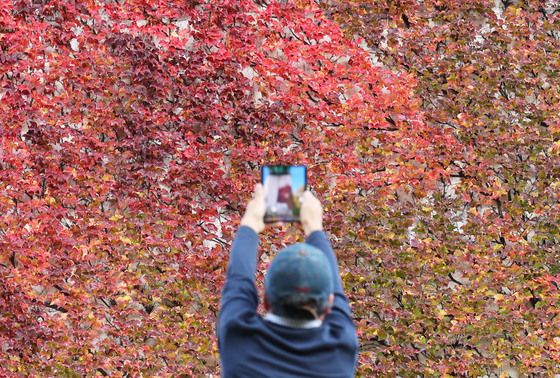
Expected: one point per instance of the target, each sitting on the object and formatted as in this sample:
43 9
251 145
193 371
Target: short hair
300 311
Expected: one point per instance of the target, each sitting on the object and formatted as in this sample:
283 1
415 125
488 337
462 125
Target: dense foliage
133 132
475 290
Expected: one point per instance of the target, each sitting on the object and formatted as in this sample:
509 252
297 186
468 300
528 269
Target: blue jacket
251 346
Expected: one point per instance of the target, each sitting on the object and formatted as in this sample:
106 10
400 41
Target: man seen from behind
308 329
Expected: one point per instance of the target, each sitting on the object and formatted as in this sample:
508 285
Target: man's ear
330 302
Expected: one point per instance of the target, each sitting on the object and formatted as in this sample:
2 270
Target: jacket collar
293 323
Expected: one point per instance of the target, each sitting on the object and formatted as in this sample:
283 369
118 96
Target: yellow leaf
126 240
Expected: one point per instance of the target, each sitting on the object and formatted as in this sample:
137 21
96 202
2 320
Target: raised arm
312 222
239 295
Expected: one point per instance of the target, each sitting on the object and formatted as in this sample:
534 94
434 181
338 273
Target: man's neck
293 323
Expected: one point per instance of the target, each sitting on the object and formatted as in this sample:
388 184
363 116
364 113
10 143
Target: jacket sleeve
319 240
239 295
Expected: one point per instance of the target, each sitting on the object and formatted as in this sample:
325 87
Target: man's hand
311 213
256 208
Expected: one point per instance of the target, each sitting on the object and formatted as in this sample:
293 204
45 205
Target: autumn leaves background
132 133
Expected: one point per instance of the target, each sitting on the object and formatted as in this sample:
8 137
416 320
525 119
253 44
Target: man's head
299 283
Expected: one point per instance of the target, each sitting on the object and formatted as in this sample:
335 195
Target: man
308 329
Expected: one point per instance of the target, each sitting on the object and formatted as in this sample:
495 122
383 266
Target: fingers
258 194
307 195
255 210
258 197
311 213
259 190
309 198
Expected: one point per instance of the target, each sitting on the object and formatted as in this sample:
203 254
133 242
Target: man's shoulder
248 320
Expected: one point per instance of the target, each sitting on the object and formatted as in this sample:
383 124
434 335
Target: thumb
259 191
307 196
